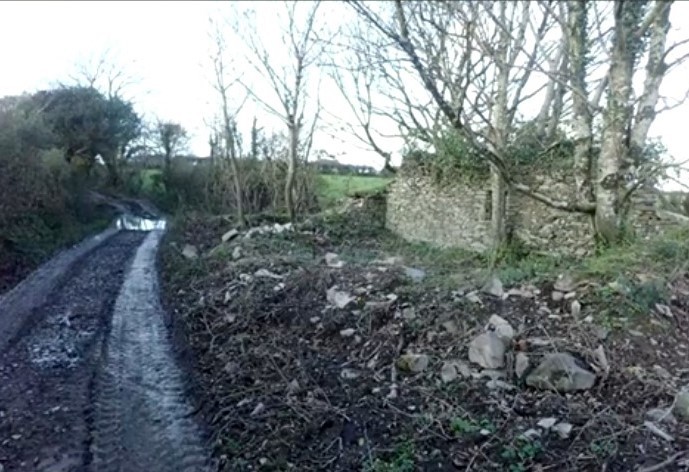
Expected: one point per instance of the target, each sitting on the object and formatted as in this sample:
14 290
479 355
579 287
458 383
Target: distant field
332 188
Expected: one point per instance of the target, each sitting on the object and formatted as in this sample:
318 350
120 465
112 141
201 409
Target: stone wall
456 216
540 227
459 216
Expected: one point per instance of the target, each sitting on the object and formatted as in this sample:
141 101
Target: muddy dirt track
89 380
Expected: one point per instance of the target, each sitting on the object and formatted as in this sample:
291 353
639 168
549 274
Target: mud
89 381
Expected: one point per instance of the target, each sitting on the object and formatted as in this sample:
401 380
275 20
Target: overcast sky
166 46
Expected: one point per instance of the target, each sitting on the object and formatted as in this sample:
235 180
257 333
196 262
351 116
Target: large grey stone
488 351
560 372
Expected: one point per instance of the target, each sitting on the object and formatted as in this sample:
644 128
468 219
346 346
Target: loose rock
267 274
350 374
601 359
561 372
338 298
237 253
563 430
576 308
557 296
231 234
190 252
333 260
502 328
260 408
293 387
473 298
547 423
451 327
488 351
413 362
521 364
448 372
681 408
417 275
499 385
564 283
494 287
347 333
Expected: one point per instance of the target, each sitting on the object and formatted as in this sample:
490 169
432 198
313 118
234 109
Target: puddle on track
136 223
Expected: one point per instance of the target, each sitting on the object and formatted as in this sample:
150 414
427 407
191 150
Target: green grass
334 188
148 177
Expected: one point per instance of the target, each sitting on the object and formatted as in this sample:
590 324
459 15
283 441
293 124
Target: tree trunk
616 122
655 71
111 167
231 151
582 119
499 125
291 169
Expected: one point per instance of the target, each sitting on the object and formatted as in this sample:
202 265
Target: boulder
560 372
488 351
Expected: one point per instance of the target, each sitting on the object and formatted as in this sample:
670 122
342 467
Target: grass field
333 188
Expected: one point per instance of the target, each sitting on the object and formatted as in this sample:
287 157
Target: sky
166 47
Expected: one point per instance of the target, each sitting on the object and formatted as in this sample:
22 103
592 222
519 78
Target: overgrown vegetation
293 374
44 203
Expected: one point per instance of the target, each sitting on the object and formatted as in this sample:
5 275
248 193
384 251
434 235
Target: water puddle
135 223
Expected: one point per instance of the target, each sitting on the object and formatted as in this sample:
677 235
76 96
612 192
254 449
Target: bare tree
290 81
107 74
505 57
470 59
226 80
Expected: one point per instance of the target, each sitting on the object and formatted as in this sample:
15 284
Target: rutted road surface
90 381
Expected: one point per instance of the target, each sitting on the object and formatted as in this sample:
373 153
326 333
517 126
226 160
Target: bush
210 186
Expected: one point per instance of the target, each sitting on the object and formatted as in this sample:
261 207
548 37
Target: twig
661 465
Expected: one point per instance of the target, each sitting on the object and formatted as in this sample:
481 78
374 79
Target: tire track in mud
142 419
46 372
